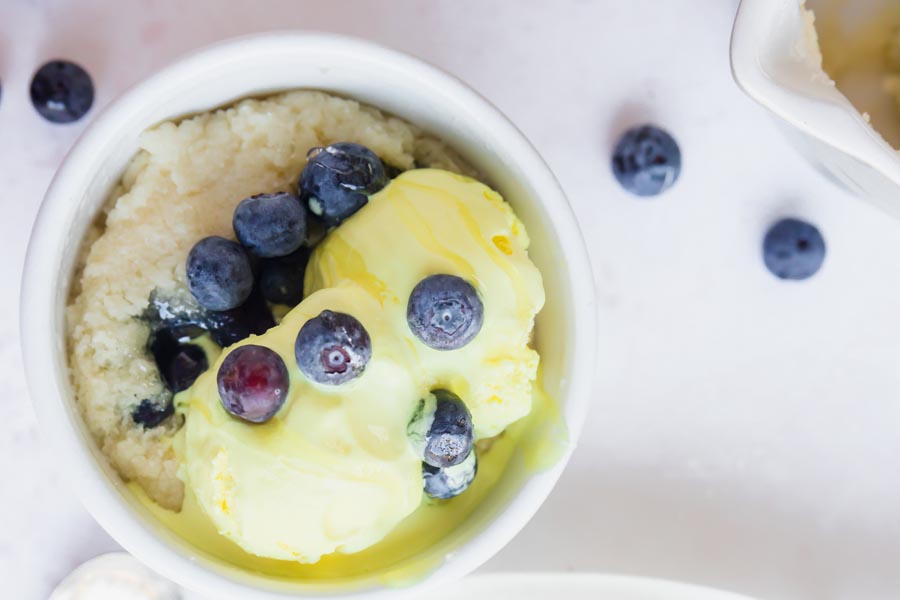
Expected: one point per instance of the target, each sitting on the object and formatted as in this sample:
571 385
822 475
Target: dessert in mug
858 48
303 330
892 81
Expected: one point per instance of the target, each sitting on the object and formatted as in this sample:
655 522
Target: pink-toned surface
744 433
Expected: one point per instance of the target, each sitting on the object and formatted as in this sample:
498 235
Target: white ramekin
401 85
775 60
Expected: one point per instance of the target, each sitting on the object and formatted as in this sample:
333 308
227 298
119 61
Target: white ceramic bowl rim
42 318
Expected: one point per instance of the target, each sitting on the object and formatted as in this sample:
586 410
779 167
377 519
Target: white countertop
745 431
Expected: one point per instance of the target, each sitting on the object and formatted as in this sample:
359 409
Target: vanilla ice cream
333 471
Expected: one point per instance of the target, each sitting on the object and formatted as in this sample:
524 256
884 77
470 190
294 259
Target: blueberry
174 310
227 327
61 91
163 345
186 366
338 180
253 383
179 363
151 412
646 161
793 249
445 483
444 311
270 224
281 279
333 348
441 429
219 273
180 314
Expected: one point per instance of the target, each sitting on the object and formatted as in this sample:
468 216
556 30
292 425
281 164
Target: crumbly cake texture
183 185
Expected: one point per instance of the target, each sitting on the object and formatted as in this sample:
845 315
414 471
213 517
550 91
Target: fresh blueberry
270 224
183 318
446 483
175 310
444 311
338 180
186 366
151 412
227 327
441 429
163 345
646 160
281 279
793 249
253 383
219 273
179 363
333 348
61 91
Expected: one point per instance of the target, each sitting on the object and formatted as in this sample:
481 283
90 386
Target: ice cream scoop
333 470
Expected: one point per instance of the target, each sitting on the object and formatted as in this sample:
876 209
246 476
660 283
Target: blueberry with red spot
333 348
253 383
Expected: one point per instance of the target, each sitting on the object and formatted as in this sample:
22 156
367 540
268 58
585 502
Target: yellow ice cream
333 470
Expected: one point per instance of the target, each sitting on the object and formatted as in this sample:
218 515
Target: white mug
776 61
